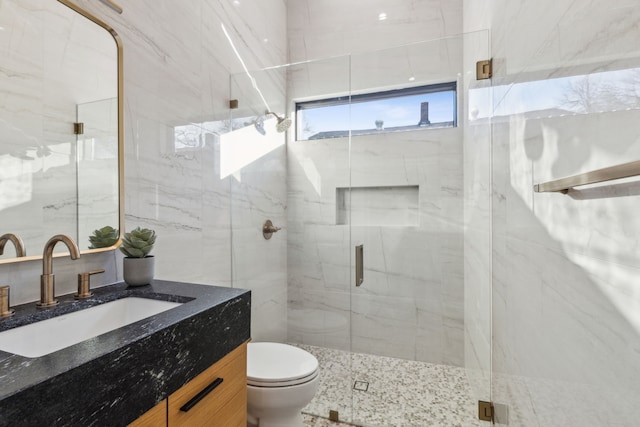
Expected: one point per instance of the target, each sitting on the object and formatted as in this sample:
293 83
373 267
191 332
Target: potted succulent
138 265
104 237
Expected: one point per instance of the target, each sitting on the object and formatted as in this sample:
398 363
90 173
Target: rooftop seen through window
421 107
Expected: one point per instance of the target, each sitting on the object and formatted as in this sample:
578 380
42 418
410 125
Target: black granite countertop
112 379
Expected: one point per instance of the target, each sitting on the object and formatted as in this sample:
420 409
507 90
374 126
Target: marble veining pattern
413 291
401 393
315 30
563 268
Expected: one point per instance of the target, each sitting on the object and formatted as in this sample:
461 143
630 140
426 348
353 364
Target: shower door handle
359 265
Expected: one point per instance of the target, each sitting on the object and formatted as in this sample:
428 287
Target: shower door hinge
485 411
78 128
484 69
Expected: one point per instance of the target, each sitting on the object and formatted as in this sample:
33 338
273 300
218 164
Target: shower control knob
268 229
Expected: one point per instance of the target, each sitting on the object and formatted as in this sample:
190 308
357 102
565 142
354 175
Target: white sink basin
44 337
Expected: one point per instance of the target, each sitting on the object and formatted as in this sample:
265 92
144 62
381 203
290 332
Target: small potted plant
138 265
104 237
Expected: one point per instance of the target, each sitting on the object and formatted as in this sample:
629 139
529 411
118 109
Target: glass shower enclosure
382 266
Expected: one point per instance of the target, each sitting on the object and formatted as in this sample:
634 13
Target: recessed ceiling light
265 40
382 16
411 78
236 2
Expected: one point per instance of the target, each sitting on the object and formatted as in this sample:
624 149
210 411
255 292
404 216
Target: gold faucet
47 280
17 242
5 309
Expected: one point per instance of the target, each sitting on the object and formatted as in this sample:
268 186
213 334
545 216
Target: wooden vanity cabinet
154 417
222 390
216 397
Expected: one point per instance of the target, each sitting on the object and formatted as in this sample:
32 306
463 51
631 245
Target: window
420 107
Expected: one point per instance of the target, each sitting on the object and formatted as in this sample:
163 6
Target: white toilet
281 380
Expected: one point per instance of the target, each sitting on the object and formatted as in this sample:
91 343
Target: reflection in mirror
58 68
97 162
17 243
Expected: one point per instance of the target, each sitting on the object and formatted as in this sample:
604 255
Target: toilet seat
274 384
279 365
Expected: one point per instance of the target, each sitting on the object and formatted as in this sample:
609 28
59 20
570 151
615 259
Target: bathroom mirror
61 136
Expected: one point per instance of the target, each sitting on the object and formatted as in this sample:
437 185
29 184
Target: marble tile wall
177 66
565 267
411 304
332 28
260 264
258 193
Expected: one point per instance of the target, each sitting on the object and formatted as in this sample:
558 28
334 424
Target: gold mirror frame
120 72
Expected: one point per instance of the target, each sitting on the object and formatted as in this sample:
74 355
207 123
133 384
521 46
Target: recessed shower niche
378 206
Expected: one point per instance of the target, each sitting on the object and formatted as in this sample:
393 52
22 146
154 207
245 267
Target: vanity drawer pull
198 397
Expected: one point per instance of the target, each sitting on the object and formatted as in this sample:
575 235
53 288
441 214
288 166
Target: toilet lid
269 362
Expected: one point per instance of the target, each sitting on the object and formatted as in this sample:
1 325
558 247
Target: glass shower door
406 180
253 158
319 249
476 114
406 209
300 276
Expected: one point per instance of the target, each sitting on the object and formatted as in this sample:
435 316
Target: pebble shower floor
370 390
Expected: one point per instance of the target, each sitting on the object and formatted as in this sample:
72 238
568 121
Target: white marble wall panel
407 297
313 177
412 293
319 317
320 79
431 159
258 194
565 268
318 257
333 28
386 326
434 61
564 34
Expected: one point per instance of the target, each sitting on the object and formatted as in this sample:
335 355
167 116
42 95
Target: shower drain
361 385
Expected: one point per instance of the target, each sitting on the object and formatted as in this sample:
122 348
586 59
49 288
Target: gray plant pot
138 271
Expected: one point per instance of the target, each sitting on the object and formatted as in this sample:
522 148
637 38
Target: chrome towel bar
563 185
